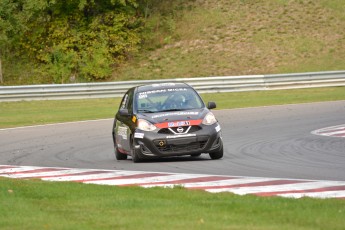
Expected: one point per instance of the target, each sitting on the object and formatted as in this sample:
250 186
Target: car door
124 122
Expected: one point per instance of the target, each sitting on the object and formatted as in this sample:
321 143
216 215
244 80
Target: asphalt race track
275 142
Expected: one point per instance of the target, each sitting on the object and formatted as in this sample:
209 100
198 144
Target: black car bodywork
168 119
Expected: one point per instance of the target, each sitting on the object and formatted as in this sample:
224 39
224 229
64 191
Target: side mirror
211 105
124 112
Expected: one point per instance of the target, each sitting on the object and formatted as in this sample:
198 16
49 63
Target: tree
63 38
14 15
7 27
98 34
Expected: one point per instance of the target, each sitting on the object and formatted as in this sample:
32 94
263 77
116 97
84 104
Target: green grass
13 114
230 38
275 97
33 204
25 113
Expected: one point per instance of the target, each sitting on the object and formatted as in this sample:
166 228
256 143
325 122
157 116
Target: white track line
333 131
53 124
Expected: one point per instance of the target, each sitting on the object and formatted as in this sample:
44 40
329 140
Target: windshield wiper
145 111
170 110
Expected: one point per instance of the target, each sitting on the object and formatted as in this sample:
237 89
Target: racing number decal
122 132
122 136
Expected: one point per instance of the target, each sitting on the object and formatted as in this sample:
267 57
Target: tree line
84 39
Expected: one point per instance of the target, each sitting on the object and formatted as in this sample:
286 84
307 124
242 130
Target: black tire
196 155
113 133
135 156
120 156
217 155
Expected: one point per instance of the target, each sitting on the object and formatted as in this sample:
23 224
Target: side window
129 102
124 102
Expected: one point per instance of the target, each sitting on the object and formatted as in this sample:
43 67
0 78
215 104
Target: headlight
209 119
145 125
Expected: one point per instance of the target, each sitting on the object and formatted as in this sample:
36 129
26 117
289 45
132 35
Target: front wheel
217 155
134 153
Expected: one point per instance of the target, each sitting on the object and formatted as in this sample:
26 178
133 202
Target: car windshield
174 99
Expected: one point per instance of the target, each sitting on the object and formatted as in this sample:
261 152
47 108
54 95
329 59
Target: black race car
168 119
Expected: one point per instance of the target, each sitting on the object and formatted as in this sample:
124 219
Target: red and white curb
334 131
211 183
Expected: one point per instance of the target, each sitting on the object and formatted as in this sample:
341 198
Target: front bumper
154 144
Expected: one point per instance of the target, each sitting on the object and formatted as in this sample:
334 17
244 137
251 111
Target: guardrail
202 85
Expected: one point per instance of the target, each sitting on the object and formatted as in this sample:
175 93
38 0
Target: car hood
169 116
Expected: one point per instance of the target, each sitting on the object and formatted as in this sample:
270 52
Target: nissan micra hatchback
163 120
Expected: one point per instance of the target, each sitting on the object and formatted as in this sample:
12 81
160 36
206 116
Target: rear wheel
120 156
217 155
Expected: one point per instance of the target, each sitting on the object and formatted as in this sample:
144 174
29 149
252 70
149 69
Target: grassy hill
226 37
195 38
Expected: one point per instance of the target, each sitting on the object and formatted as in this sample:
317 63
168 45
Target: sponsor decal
177 90
178 123
139 135
144 94
181 113
163 84
218 128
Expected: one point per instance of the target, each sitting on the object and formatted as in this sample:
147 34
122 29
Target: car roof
167 85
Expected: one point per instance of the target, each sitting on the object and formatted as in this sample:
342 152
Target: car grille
192 129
